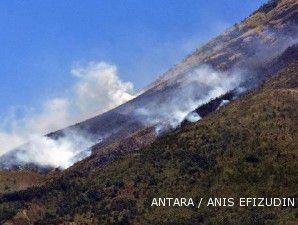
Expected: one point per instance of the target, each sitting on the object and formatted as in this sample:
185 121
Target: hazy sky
41 41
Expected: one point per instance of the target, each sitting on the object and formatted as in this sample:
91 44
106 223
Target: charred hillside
249 46
246 148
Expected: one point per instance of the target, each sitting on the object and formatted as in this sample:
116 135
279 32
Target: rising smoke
48 152
195 88
98 89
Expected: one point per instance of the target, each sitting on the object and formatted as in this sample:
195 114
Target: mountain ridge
246 148
122 121
253 155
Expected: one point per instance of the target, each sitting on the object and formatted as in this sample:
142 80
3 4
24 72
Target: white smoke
195 88
10 140
224 102
62 153
100 88
193 117
54 114
97 88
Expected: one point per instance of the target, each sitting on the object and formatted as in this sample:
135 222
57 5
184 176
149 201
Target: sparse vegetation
19 180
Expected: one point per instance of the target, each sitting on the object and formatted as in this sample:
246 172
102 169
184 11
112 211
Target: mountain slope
250 45
264 30
248 148
19 180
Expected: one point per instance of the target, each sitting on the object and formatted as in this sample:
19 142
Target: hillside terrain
19 180
246 148
249 46
245 144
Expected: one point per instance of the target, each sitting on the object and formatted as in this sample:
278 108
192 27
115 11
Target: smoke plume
100 87
194 89
97 89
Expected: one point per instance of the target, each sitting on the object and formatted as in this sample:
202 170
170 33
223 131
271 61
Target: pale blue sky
41 40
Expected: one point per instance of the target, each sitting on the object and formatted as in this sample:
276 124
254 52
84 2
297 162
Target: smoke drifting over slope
16 130
98 88
195 88
47 152
165 103
167 109
99 81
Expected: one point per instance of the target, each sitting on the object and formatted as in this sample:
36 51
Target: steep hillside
19 180
248 148
250 45
247 43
